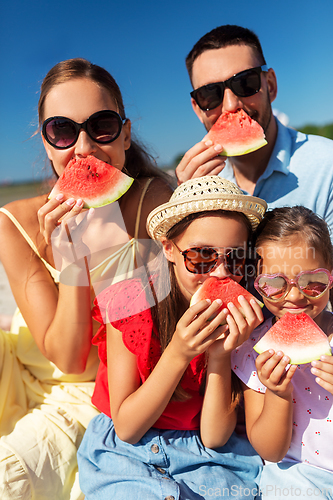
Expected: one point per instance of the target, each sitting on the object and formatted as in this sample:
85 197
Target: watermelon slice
298 337
97 183
237 133
225 289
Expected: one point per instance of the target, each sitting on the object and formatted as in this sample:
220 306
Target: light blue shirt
299 172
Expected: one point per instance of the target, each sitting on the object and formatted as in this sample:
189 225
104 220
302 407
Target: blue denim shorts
164 464
287 480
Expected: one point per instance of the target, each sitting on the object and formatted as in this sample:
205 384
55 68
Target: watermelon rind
240 151
225 289
298 337
237 133
95 182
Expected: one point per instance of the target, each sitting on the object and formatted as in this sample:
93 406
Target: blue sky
143 44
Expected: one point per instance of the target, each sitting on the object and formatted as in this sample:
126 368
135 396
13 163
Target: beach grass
20 191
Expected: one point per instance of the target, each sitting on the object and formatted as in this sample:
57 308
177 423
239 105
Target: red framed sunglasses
203 260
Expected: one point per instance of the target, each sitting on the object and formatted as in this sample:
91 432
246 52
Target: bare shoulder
25 212
158 192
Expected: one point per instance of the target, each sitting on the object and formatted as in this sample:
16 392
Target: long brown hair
138 162
167 312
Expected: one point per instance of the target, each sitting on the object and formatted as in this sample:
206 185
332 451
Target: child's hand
240 327
271 367
323 370
195 331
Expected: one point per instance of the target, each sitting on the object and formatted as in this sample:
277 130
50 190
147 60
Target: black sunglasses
102 127
243 84
203 260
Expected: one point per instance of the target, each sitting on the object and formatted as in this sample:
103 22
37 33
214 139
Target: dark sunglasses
203 260
243 84
312 284
102 127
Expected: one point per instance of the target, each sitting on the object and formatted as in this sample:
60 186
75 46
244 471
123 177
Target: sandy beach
7 302
10 193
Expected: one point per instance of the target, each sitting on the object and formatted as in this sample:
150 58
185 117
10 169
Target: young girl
47 363
288 409
167 368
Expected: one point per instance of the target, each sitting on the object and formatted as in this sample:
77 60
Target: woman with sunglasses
167 430
289 408
47 361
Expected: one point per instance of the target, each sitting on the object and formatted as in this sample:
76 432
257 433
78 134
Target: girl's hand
271 367
323 370
240 327
201 159
195 331
54 211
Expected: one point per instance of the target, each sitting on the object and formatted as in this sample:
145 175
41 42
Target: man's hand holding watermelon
233 134
202 159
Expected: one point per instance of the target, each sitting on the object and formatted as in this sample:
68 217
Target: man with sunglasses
228 71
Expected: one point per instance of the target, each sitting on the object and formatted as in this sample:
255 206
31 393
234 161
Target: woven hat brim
162 218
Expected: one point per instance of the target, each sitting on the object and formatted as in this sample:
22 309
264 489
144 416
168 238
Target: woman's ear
127 134
168 249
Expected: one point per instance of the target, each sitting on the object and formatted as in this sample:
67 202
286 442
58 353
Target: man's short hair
224 36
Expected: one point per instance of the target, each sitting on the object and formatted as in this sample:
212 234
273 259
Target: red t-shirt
126 307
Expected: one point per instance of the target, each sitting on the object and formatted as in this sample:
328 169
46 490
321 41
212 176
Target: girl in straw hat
165 372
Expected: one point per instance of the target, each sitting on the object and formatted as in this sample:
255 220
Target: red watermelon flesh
298 337
225 289
237 133
97 183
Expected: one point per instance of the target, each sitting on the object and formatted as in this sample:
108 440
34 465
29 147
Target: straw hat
203 194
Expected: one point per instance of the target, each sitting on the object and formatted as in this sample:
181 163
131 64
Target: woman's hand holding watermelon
71 255
273 373
54 211
323 370
201 159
